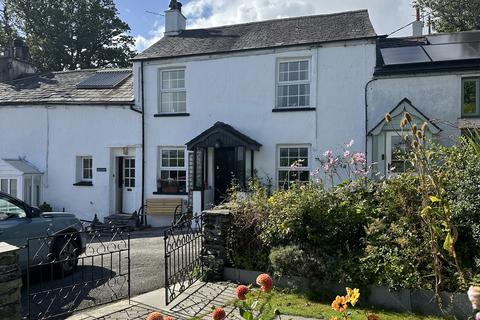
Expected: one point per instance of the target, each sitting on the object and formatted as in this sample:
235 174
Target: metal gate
74 271
183 256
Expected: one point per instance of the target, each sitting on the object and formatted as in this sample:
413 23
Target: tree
453 15
8 32
71 34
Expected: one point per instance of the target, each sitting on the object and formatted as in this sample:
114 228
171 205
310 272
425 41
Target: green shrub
294 261
45 207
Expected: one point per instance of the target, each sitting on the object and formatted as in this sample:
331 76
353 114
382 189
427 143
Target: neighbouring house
436 78
72 139
15 61
246 100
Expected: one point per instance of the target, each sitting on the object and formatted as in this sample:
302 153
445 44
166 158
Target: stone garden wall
10 283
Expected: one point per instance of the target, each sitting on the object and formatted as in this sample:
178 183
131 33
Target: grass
298 305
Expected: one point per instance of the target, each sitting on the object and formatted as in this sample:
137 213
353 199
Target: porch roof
225 135
22 166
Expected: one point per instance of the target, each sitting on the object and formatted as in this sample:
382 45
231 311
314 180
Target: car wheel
66 252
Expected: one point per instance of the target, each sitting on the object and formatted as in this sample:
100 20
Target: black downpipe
144 215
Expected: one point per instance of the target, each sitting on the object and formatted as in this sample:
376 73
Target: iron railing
183 256
74 271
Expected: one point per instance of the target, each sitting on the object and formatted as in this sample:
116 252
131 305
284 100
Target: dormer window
471 97
293 83
173 96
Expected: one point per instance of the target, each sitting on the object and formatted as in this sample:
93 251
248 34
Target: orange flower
155 316
241 292
339 304
373 317
265 282
218 314
168 318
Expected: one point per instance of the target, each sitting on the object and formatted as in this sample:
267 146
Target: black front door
224 172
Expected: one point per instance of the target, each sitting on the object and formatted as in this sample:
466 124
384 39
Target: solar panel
404 55
105 79
473 36
454 51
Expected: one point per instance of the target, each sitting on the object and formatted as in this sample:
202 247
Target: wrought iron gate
77 270
183 260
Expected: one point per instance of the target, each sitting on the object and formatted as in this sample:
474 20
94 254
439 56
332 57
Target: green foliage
293 261
67 34
367 231
454 15
45 207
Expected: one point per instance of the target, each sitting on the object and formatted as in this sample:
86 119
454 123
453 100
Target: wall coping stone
5 247
217 212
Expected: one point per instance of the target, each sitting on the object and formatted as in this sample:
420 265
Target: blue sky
386 15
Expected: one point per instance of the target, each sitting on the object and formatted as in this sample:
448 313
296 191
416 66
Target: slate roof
22 166
264 34
60 88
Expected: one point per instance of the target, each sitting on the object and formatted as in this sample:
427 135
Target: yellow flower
340 304
353 295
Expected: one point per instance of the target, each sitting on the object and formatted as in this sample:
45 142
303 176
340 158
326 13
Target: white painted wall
239 89
52 137
437 96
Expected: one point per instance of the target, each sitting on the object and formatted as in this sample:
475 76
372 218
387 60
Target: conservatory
21 180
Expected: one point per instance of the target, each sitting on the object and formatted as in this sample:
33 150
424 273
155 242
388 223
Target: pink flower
359 158
328 153
241 292
350 144
265 282
477 316
218 314
347 154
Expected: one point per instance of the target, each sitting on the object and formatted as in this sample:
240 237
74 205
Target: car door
17 225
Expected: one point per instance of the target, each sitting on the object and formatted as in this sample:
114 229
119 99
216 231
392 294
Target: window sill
84 184
294 109
170 193
179 114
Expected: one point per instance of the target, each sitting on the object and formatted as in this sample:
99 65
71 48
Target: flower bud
419 135
408 117
414 129
424 127
415 144
403 123
388 118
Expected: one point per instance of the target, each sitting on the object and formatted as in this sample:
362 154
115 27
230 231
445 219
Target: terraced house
236 101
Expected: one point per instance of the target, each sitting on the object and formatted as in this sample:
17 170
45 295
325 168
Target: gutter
366 115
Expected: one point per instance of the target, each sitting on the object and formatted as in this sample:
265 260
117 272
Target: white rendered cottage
72 139
436 78
234 101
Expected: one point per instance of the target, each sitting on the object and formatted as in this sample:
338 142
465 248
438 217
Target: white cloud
142 43
386 15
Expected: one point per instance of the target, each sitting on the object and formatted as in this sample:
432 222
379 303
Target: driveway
101 278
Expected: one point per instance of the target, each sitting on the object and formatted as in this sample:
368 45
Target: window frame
175 90
279 83
82 168
161 168
389 154
279 168
9 180
462 98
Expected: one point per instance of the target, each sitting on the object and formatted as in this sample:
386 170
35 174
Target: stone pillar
215 227
10 282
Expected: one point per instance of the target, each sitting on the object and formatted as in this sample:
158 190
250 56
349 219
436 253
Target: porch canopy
221 136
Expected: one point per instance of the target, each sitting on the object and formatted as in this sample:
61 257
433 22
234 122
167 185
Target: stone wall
10 282
215 227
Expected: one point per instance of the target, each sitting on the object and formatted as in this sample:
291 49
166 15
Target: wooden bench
163 207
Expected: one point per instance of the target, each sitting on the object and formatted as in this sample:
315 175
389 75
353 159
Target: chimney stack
417 25
175 21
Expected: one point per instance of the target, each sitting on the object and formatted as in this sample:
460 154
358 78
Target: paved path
196 302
